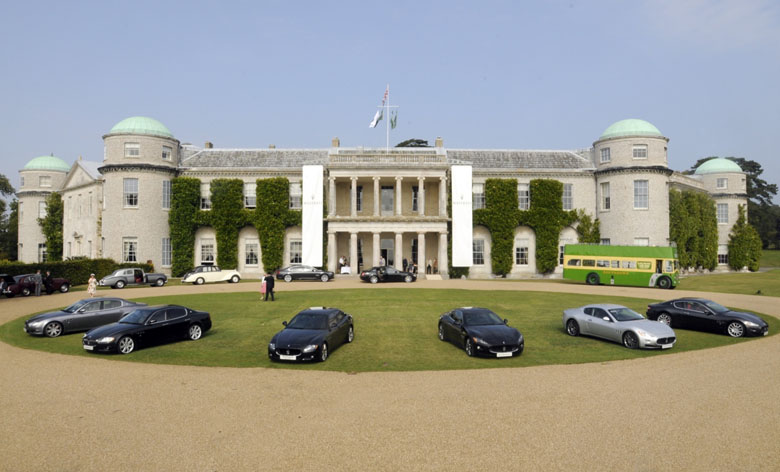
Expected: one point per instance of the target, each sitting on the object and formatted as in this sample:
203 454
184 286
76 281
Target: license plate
503 354
285 357
25 329
88 347
766 332
666 346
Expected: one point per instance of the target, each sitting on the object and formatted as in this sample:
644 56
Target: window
387 200
723 254
166 195
21 210
605 155
89 205
359 196
561 248
602 263
641 195
568 201
132 150
478 251
207 251
79 205
296 196
723 213
68 252
129 250
89 248
605 241
478 196
722 183
205 196
641 241
251 252
415 190
167 152
640 151
296 251
588 263
250 195
616 264
131 193
523 196
166 252
605 203
42 253
629 264
21 181
44 181
521 252
41 209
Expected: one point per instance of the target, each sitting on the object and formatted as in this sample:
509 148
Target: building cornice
136 167
735 196
635 170
34 193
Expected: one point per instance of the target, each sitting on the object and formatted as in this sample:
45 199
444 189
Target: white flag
376 120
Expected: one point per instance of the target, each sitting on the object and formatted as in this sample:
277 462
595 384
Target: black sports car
303 272
480 332
311 335
386 274
705 315
81 316
148 326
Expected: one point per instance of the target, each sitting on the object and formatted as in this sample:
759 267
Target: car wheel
324 352
25 292
374 279
630 340
469 347
736 329
664 283
52 330
288 278
408 279
441 332
235 279
573 328
351 334
592 279
120 284
665 319
126 345
160 282
64 288
195 332
324 277
199 281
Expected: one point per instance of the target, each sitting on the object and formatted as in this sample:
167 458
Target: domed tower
141 157
632 179
727 185
38 179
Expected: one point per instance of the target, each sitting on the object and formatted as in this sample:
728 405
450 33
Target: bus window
574 262
644 265
629 264
616 264
602 263
669 266
588 263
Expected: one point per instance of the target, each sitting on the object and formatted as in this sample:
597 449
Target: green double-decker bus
639 266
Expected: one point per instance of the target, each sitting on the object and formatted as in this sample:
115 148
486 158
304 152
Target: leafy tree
588 230
744 244
9 231
413 143
51 226
693 226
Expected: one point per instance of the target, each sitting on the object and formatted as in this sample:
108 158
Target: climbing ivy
744 244
183 222
228 216
271 219
51 226
588 229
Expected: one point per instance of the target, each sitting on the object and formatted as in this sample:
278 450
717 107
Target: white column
443 262
332 196
422 263
399 250
353 197
353 255
398 186
332 256
421 196
376 196
375 250
443 197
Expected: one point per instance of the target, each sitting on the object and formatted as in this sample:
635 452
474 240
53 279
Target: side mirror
606 318
506 321
284 323
152 321
333 326
82 310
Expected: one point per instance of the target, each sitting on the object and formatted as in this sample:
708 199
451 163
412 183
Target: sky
485 75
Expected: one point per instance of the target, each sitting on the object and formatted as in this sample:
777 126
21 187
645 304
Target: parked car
148 326
5 281
311 335
386 274
303 272
24 285
480 332
705 315
210 273
619 324
81 316
122 277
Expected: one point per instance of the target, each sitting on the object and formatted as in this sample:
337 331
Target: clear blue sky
503 74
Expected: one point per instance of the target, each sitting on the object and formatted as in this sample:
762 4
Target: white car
205 274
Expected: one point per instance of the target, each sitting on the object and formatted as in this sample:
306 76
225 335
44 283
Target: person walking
91 285
269 286
262 289
37 280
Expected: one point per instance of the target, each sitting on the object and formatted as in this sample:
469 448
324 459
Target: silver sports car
620 324
81 316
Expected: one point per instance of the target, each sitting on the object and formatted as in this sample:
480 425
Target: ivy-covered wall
227 216
183 223
272 217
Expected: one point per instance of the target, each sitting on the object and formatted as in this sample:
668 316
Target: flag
387 92
394 119
376 120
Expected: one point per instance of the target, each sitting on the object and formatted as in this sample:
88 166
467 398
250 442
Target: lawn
769 258
768 283
395 330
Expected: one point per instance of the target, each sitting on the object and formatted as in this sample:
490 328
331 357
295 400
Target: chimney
335 142
208 145
272 146
439 142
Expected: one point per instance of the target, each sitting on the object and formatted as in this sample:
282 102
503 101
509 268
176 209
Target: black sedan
705 315
81 316
303 272
311 335
386 274
480 332
148 326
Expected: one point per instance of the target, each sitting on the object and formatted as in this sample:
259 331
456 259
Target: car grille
665 340
503 348
89 342
289 352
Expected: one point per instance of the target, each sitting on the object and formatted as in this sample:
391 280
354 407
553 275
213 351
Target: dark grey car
81 316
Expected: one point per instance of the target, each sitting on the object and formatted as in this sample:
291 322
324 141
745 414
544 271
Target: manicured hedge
183 222
76 270
744 244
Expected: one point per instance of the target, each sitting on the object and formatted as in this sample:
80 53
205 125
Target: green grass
395 330
769 258
745 283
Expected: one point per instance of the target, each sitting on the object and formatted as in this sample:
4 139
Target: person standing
406 264
429 267
269 286
48 283
263 289
37 280
91 285
381 261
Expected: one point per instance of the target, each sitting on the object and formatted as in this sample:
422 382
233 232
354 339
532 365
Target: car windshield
716 307
481 318
625 314
74 308
309 321
135 317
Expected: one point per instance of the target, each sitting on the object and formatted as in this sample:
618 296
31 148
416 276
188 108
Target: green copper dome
718 165
141 125
47 163
630 127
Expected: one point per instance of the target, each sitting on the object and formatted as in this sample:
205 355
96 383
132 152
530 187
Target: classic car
311 335
386 274
705 315
24 285
81 316
619 324
303 272
206 274
122 277
148 326
480 332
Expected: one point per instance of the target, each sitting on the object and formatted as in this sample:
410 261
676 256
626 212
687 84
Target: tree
51 226
414 142
693 226
588 230
744 244
8 228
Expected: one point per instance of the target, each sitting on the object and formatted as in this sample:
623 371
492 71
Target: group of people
267 287
41 281
431 268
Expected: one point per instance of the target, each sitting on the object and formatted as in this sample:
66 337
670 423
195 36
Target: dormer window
132 150
640 151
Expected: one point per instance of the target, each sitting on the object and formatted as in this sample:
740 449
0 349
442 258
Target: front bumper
758 331
33 330
93 346
503 350
292 355
657 343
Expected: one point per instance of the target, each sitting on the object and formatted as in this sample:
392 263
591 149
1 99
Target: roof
630 127
256 158
717 166
91 168
620 251
47 163
524 159
141 125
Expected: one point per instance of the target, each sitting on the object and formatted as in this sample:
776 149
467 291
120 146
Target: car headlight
272 346
36 324
520 339
642 333
310 348
106 340
750 324
479 340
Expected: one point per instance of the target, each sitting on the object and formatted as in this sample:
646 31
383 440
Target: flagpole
387 121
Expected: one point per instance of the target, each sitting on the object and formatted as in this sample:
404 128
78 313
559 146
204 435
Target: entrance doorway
387 250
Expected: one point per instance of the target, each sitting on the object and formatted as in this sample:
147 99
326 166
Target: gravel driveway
712 409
